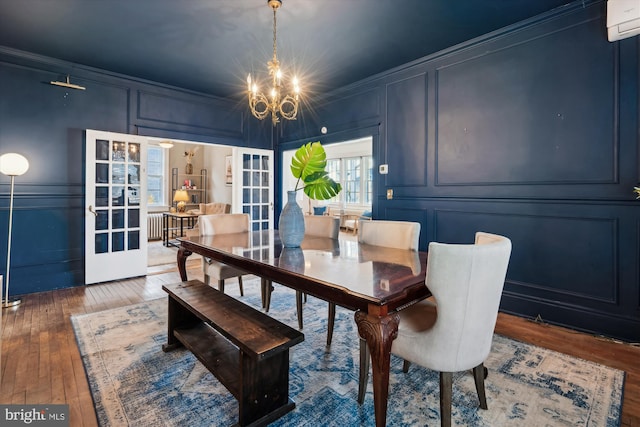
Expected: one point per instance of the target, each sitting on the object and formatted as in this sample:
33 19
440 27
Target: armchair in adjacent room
212 208
351 222
453 331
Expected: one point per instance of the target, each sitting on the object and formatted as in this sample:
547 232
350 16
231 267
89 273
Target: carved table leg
182 260
379 332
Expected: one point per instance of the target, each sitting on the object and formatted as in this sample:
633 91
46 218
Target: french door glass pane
117 196
102 149
134 239
118 151
134 218
118 175
102 173
117 218
102 220
102 243
102 196
117 241
133 152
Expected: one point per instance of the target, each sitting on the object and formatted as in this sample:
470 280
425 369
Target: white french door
116 206
252 176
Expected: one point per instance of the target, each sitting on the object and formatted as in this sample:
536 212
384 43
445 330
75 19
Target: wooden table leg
182 261
379 332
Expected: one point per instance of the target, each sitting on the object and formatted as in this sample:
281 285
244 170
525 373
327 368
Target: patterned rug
133 382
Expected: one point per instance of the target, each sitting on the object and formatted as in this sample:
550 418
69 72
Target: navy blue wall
530 132
46 124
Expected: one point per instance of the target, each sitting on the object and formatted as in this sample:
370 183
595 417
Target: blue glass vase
291 223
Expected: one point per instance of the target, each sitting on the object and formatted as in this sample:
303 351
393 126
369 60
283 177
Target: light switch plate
389 193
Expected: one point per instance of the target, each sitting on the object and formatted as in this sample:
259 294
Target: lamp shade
13 164
180 196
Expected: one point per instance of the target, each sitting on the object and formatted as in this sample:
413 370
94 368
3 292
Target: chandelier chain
275 45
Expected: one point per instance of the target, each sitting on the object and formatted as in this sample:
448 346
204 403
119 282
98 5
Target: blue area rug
133 382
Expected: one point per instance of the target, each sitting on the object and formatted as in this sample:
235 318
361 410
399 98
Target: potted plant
308 167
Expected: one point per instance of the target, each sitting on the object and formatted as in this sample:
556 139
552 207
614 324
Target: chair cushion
319 210
220 271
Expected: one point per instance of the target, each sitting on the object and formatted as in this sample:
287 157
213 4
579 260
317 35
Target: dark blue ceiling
210 45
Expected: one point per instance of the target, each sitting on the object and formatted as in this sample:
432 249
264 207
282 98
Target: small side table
174 222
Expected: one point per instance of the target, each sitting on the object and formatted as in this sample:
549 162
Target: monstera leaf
308 166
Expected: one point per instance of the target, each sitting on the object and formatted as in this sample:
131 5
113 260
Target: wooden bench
247 350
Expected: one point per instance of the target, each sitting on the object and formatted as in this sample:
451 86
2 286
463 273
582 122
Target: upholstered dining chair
390 234
454 332
315 226
216 224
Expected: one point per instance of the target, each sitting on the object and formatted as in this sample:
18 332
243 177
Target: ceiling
210 46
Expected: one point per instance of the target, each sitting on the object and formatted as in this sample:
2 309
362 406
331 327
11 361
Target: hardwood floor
41 363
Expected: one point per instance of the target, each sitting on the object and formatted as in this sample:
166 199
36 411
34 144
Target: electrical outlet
383 169
389 193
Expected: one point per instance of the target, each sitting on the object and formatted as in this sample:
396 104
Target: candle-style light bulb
249 82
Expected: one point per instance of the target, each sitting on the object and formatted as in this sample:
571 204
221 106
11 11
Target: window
333 169
351 184
156 182
368 180
357 186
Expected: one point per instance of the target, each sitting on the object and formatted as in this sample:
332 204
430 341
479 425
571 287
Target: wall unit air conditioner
623 19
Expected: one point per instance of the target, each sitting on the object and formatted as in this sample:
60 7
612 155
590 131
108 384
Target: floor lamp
12 165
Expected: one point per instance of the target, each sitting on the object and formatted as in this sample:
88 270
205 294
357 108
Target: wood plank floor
41 363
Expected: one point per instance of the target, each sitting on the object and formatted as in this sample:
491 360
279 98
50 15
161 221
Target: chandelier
276 102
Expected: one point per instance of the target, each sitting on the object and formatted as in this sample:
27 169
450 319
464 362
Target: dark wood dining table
373 281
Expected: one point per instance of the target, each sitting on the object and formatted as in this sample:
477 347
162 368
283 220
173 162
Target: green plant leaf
319 186
308 159
308 166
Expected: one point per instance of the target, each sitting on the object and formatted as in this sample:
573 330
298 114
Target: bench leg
264 396
178 317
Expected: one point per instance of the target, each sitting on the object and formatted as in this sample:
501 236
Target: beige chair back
214 208
321 226
467 282
210 225
390 234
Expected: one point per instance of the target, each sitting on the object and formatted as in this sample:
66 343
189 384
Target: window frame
163 204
